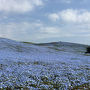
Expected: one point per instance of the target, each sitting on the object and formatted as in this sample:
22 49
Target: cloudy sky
45 20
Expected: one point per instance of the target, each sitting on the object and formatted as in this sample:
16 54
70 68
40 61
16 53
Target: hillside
49 66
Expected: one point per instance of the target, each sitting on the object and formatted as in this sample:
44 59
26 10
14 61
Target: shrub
88 49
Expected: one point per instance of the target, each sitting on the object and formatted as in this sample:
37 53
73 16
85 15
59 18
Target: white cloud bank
19 6
34 31
39 32
74 23
71 16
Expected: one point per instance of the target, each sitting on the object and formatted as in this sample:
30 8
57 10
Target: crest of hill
29 46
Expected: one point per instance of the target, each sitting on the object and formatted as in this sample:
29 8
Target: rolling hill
44 66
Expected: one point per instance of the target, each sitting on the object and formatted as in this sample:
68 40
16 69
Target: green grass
52 86
85 86
28 42
56 48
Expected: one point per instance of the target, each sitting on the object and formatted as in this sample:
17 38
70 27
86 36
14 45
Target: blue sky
45 20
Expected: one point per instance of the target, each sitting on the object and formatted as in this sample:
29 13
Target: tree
88 49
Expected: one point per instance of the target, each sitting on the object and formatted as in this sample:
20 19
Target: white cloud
19 6
70 1
73 23
30 31
49 30
54 17
72 16
17 30
26 30
66 1
40 32
75 16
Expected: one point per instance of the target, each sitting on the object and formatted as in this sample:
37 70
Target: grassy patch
56 49
28 42
40 63
85 86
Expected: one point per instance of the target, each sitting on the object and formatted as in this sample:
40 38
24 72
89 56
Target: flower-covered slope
54 66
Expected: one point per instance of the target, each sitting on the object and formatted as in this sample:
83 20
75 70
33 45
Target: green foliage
88 49
28 42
